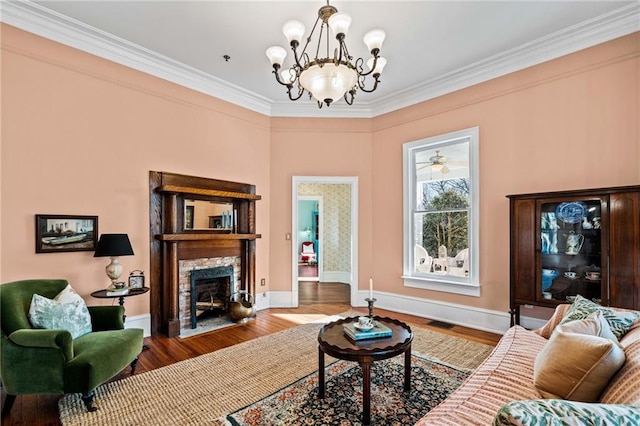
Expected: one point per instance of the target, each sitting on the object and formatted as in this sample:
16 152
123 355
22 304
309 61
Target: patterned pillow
554 412
620 322
67 311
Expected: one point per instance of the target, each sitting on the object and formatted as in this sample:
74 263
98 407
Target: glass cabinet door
571 259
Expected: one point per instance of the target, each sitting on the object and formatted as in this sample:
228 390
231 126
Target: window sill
442 284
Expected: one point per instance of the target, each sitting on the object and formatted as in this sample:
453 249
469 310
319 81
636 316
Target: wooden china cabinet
566 243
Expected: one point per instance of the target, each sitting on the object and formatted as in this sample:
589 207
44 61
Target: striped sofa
507 376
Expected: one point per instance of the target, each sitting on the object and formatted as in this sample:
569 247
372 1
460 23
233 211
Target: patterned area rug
298 404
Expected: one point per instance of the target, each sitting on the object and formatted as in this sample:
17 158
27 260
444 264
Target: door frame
352 181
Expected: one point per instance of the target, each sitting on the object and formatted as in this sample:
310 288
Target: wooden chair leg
87 398
134 364
8 403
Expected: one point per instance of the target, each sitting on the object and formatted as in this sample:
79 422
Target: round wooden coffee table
333 342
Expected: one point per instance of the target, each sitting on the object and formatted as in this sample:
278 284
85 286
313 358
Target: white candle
370 288
235 219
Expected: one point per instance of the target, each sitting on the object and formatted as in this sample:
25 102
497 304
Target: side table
333 342
102 294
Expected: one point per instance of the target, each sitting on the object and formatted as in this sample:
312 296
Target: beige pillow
594 325
577 366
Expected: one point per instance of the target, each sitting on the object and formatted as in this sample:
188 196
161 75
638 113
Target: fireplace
178 248
210 290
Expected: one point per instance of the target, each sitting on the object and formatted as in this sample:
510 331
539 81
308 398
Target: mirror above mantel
206 215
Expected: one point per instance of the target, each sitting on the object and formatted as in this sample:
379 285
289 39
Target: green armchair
39 361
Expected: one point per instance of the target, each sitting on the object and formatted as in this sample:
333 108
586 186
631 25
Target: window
441 213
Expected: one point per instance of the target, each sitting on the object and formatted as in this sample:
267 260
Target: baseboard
532 323
467 316
139 321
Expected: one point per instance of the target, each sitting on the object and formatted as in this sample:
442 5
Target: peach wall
80 136
317 147
566 124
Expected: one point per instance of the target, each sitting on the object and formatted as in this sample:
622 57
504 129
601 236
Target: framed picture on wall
63 233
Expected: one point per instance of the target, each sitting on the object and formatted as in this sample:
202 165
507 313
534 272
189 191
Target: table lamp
113 245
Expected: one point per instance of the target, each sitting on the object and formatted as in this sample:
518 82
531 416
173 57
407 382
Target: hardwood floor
39 410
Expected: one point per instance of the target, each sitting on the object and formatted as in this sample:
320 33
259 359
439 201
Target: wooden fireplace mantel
171 242
205 237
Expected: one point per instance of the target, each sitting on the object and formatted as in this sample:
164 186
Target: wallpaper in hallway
336 223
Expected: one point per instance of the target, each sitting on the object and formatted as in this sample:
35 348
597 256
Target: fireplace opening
211 290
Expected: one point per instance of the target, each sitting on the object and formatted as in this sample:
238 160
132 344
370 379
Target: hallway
313 293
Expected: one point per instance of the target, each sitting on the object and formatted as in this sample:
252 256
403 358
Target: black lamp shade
113 245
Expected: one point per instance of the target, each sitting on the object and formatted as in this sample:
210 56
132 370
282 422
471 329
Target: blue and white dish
572 212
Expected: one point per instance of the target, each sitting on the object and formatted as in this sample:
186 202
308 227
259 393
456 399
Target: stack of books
378 330
112 291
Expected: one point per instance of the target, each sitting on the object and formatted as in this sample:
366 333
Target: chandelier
326 78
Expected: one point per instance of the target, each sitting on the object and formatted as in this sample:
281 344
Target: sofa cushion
624 388
505 375
67 311
576 366
554 412
620 321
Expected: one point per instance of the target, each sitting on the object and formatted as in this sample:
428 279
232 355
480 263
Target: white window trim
466 286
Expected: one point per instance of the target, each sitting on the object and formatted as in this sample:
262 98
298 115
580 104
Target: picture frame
65 233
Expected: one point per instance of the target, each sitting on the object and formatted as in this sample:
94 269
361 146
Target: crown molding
603 28
54 26
49 24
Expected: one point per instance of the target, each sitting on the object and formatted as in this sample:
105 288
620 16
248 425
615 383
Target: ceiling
432 47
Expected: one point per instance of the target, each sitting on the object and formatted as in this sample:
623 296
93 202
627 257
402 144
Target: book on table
378 330
112 291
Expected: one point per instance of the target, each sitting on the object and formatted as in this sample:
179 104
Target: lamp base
114 270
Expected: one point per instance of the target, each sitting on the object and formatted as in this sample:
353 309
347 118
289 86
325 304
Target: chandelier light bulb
339 23
437 167
288 76
373 39
335 75
293 31
276 55
379 65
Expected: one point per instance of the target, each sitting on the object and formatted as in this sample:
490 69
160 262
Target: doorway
309 234
336 228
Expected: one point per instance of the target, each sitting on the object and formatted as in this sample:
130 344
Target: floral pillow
620 322
67 311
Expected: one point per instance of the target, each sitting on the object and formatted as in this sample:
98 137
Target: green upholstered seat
35 361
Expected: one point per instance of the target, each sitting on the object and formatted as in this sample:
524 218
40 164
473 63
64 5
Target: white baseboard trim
467 316
261 301
531 323
336 277
139 321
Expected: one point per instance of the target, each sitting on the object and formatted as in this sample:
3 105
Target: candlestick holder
370 301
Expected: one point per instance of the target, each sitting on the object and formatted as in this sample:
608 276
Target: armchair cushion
67 311
554 412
